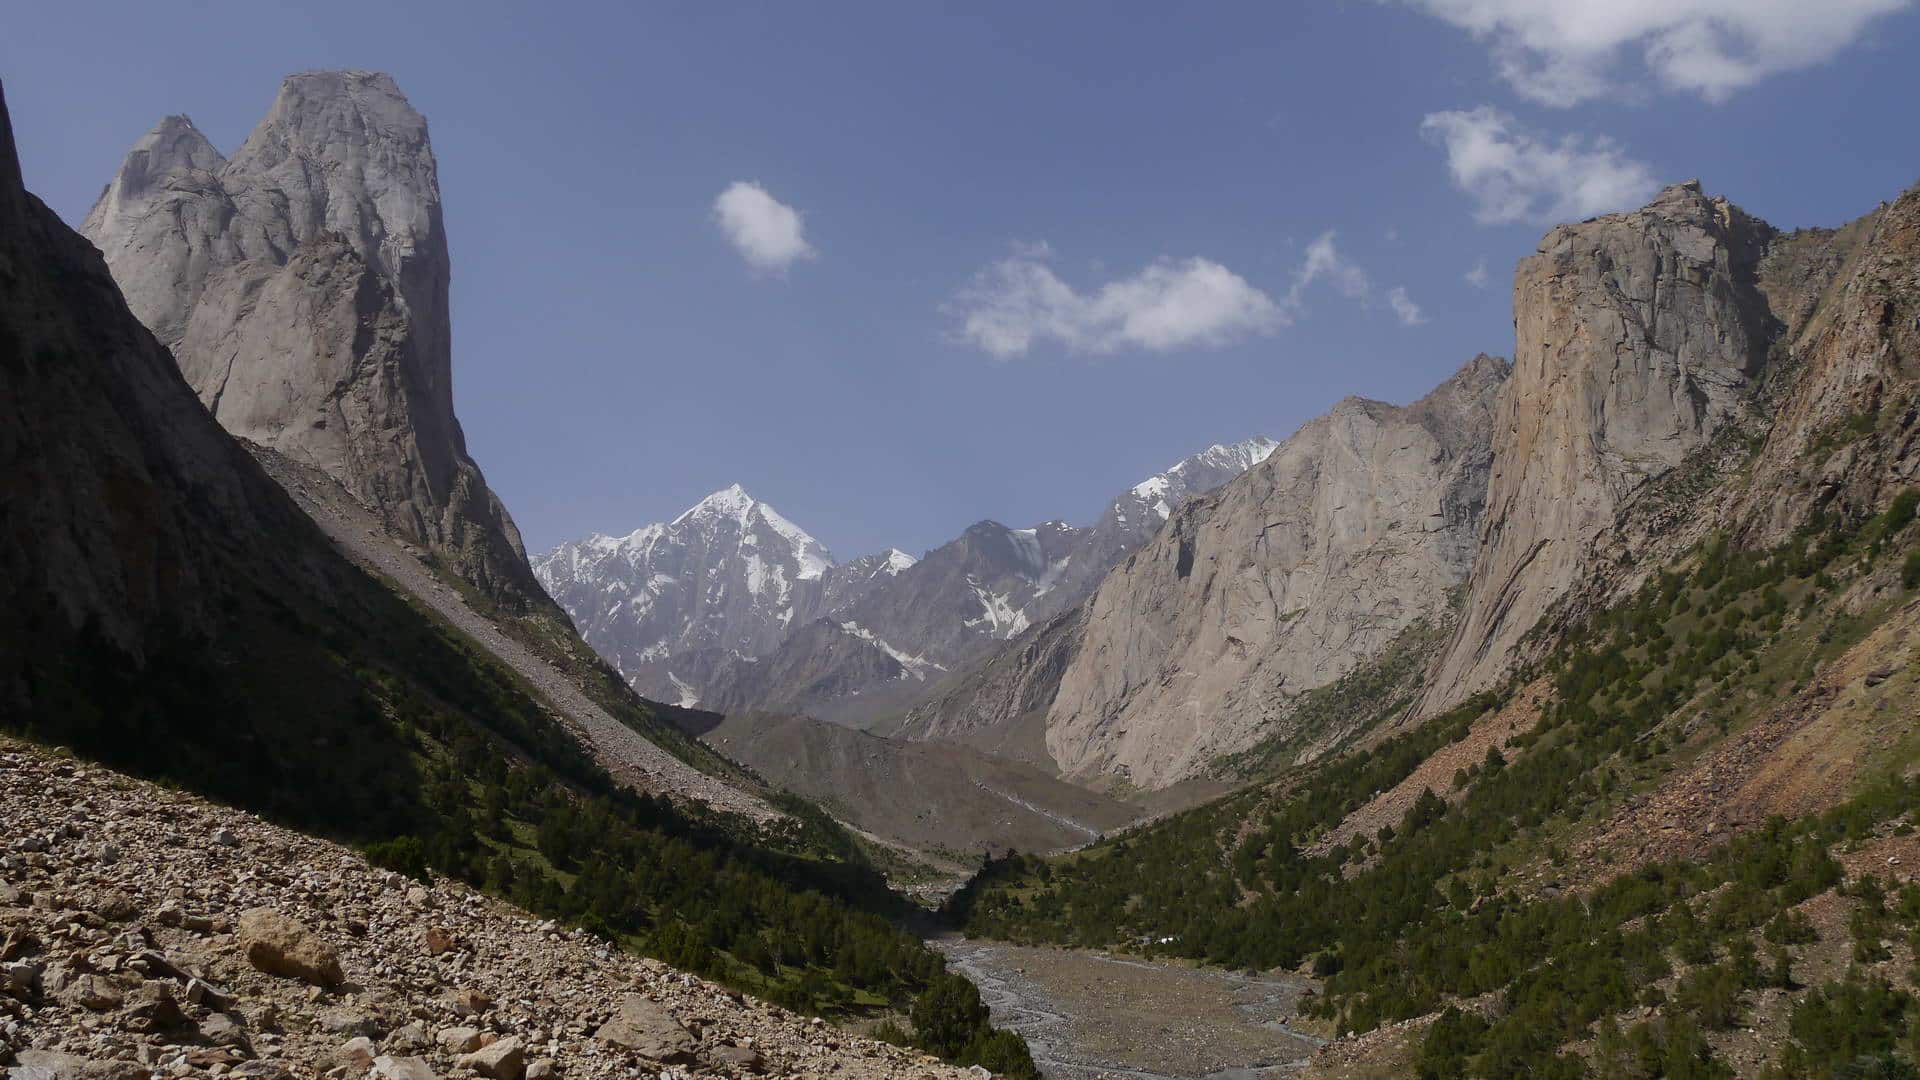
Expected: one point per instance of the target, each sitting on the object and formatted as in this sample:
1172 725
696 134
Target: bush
403 855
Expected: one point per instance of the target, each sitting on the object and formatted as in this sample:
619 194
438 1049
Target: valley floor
124 954
1092 1016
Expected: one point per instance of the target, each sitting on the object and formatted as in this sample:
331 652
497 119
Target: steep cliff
1637 337
1355 528
302 287
131 521
1846 429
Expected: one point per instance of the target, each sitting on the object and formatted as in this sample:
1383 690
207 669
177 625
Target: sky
897 267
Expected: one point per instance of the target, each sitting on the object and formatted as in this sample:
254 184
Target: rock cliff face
127 517
1846 435
1357 526
1638 336
302 286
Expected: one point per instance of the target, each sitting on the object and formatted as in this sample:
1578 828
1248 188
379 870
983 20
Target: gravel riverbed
1091 1016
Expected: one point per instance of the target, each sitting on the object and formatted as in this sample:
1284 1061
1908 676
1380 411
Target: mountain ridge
302 286
853 641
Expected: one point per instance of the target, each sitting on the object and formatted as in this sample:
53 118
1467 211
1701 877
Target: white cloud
1477 277
1404 308
1563 52
1514 175
1325 263
1019 302
765 231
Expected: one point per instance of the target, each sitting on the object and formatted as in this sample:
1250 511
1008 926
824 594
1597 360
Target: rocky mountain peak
834 636
302 287
1638 336
13 188
173 151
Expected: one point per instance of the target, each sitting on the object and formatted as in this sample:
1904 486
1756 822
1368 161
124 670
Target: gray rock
1358 526
409 1039
302 286
1638 336
648 1030
503 1059
346 1021
93 992
357 1054
387 1067
228 1030
734 1059
279 945
49 1065
459 1040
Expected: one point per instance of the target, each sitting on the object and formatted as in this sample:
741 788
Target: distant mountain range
731 606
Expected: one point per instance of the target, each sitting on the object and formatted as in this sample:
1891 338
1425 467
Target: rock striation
302 286
1358 526
1846 431
1638 337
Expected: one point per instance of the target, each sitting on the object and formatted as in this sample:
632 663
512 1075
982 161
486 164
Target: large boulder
648 1030
278 945
505 1059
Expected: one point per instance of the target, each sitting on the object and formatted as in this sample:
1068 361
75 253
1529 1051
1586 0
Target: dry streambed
1089 1015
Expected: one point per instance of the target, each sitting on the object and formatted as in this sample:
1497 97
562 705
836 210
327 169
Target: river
1091 1016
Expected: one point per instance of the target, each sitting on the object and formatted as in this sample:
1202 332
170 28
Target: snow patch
998 615
915 666
689 697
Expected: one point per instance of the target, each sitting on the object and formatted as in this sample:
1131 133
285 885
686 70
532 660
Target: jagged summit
733 605
302 287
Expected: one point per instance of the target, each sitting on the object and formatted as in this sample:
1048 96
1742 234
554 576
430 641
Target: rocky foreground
145 932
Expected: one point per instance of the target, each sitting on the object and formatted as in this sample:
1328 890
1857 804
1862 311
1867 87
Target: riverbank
1094 1016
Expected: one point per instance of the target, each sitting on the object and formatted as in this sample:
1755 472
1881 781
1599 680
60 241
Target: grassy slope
1477 899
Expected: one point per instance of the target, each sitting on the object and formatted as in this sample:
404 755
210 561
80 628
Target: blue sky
1042 250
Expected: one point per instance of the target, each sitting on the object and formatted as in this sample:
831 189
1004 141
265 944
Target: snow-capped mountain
732 607
669 603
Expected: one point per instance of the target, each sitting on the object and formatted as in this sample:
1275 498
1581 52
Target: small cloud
1515 176
1477 277
766 232
1020 301
1325 263
1564 52
1404 308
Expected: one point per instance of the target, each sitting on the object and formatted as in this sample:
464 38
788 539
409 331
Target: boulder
357 1054
502 1060
459 1040
386 1067
648 1030
278 945
734 1060
225 1029
93 992
152 1008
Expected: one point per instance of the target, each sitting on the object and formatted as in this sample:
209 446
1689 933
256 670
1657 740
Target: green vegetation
361 718
1375 692
1425 913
